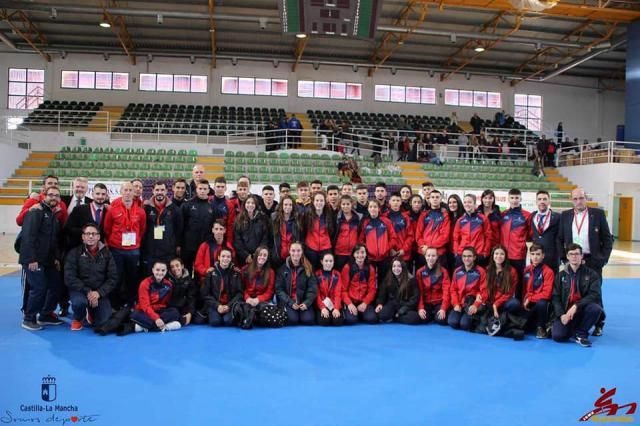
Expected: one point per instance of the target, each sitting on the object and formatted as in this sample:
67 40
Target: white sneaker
172 326
140 329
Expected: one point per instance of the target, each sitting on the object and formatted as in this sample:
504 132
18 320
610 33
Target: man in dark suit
80 187
545 225
92 212
587 227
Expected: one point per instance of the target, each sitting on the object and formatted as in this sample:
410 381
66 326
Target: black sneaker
49 319
583 341
597 332
31 325
541 333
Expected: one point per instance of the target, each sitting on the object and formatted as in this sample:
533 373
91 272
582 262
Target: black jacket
306 286
197 217
171 219
388 293
247 240
67 201
85 273
600 238
589 284
191 191
184 293
79 217
277 240
40 240
549 239
212 286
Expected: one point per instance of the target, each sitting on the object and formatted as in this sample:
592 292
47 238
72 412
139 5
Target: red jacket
358 285
346 234
329 285
538 283
379 237
514 230
466 283
119 220
433 229
404 232
61 213
153 296
256 287
495 221
499 298
205 259
472 230
317 237
433 290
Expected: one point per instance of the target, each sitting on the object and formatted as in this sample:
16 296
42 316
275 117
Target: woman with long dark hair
285 230
456 210
329 298
250 230
296 287
258 279
491 211
398 295
500 286
359 288
318 227
405 194
416 208
347 232
221 289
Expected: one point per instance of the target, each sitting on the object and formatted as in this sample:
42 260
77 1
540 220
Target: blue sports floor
362 375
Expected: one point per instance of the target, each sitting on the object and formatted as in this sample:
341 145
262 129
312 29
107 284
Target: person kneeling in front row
398 295
222 288
152 312
576 296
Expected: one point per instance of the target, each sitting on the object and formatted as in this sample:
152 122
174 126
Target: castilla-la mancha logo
48 390
605 410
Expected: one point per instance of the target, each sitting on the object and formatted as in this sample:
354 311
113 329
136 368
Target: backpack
271 316
242 315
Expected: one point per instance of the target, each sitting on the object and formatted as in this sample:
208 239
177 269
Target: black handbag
271 316
242 315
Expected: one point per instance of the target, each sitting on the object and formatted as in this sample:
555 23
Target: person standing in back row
295 128
588 228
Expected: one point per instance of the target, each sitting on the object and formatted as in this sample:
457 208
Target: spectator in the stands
295 128
463 141
559 132
283 127
454 119
476 123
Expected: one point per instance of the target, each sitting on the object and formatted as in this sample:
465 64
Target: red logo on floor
606 411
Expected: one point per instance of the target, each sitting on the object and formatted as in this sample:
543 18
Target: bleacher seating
123 163
386 121
64 113
284 167
204 120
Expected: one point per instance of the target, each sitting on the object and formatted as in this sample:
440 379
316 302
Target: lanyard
575 219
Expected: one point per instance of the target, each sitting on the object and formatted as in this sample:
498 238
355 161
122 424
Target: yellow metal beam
119 28
561 9
301 43
22 25
411 17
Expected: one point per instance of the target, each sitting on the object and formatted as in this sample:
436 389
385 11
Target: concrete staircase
413 174
100 122
213 166
16 189
308 138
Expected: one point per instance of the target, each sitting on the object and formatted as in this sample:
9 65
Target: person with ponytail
296 287
347 231
359 288
491 211
285 230
318 227
465 291
379 237
434 284
220 291
398 295
499 288
329 298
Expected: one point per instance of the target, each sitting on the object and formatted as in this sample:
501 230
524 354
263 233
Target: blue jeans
80 304
307 317
217 320
44 290
460 320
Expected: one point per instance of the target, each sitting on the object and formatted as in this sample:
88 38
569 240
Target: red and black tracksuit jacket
224 208
499 298
256 287
495 221
433 229
154 296
207 255
119 220
318 236
472 230
538 283
379 237
434 290
514 230
466 283
329 285
404 232
60 212
221 287
289 232
347 233
358 284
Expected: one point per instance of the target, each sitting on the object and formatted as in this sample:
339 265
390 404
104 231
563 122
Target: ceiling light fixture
479 49
301 35
104 23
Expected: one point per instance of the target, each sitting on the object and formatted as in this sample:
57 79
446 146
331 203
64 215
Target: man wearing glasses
588 228
576 299
40 258
90 273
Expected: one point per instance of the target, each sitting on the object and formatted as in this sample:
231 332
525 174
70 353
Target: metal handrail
604 152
